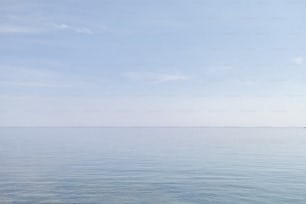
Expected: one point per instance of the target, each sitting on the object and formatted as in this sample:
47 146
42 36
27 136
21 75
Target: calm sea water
153 165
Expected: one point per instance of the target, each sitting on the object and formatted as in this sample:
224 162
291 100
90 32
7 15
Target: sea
153 165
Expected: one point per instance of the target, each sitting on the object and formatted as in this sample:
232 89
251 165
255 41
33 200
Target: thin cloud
17 29
42 28
76 29
22 77
34 84
155 77
298 60
220 68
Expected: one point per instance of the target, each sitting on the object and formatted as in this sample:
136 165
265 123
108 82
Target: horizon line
152 127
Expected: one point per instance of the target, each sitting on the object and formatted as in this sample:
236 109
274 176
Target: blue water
153 165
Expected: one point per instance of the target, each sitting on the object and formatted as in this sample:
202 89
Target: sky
153 63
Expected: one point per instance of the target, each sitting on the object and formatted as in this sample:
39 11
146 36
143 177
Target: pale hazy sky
152 63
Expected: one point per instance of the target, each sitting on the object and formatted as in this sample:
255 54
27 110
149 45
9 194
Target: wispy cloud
20 77
17 29
155 77
298 60
42 28
219 68
77 29
34 84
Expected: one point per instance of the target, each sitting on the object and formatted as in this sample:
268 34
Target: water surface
153 165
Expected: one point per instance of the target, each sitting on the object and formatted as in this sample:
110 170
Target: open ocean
153 165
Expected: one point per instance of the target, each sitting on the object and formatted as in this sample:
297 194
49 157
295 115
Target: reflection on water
152 165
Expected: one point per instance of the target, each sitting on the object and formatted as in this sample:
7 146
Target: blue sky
152 63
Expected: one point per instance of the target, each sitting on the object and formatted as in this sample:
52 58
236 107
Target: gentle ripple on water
153 165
